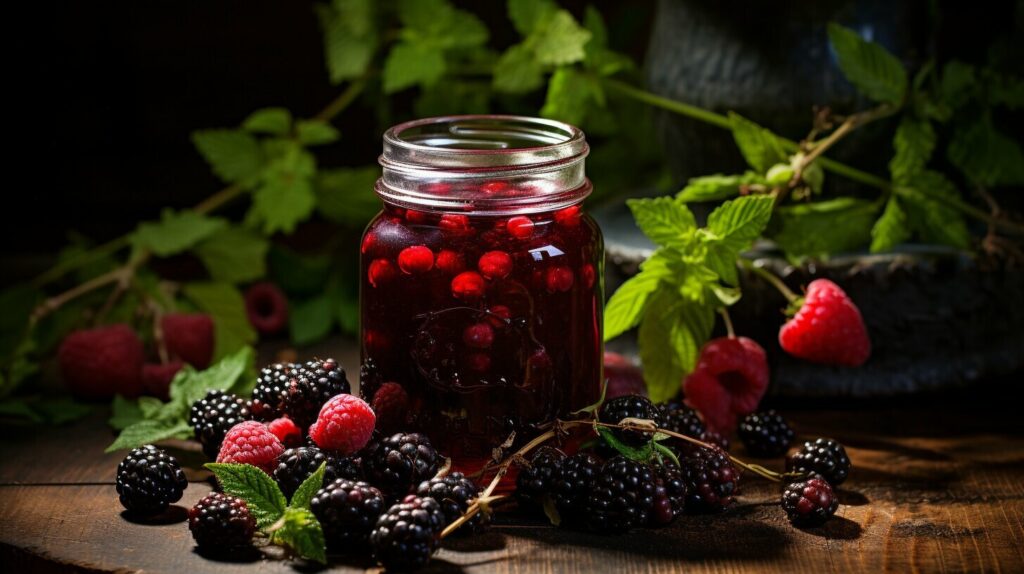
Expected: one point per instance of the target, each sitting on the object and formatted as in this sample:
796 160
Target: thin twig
728 322
772 279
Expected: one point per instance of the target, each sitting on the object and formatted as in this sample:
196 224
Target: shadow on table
238 556
837 528
172 515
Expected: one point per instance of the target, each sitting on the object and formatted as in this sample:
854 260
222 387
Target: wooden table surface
938 486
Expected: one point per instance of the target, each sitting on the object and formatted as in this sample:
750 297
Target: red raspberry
391 406
568 217
520 227
468 285
623 376
381 271
492 187
267 308
251 442
499 316
450 262
99 363
455 224
729 381
416 259
189 336
157 377
495 264
345 424
416 217
286 431
558 279
827 328
478 336
370 243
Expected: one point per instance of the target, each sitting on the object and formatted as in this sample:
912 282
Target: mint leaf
255 487
350 37
310 320
643 453
738 222
717 186
528 15
931 219
670 337
234 155
868 66
284 200
914 142
315 132
986 156
758 145
277 121
307 490
826 227
124 413
626 305
190 385
559 40
345 195
571 95
225 304
149 431
175 232
302 533
517 71
891 228
234 255
408 65
665 221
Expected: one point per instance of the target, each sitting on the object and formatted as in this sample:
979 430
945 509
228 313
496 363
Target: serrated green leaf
559 40
175 232
528 15
670 336
234 255
871 68
740 221
571 95
261 494
148 431
408 65
758 145
626 305
438 23
665 221
315 132
307 490
986 156
234 155
957 84
517 71
717 186
310 320
277 121
345 195
302 533
150 406
914 142
824 228
282 201
190 385
931 219
891 228
124 413
224 303
643 453
350 37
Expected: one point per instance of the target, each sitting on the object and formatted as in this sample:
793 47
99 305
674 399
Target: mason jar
482 282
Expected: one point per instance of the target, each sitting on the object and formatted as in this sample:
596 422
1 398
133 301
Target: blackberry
296 465
711 480
809 502
622 496
221 523
571 487
399 463
454 492
347 511
407 534
824 456
369 380
148 480
717 439
536 480
682 419
213 415
271 388
670 497
312 386
765 434
630 406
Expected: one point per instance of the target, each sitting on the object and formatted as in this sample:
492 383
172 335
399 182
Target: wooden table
938 486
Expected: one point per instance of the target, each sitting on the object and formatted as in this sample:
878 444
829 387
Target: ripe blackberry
347 511
682 419
670 497
296 465
213 415
312 386
717 439
221 523
407 534
622 496
399 463
809 502
571 487
454 492
824 456
711 480
765 434
630 406
271 388
369 379
536 480
148 480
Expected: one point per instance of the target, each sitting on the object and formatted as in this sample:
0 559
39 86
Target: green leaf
868 66
517 71
559 40
302 533
958 83
823 228
299 274
408 65
891 228
190 385
311 320
282 201
225 304
738 222
914 142
315 132
124 413
528 15
987 157
148 431
718 186
175 232
933 220
261 494
277 121
626 305
571 95
307 490
758 145
642 453
665 221
437 23
234 255
670 336
345 195
234 155
350 37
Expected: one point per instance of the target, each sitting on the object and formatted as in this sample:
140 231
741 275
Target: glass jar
482 280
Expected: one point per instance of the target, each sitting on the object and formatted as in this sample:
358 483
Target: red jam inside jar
482 280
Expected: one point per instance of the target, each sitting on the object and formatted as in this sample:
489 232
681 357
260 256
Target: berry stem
728 322
770 277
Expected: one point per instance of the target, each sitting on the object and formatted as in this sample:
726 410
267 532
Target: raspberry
730 378
99 363
212 416
266 307
809 502
189 337
391 406
827 328
670 496
345 424
347 511
765 434
824 456
450 262
520 227
454 492
286 431
624 377
251 442
558 279
711 479
478 336
568 217
381 271
468 285
630 407
399 463
495 264
622 496
271 388
406 536
148 480
416 259
416 217
537 480
310 387
221 523
572 484
498 316
156 378
455 224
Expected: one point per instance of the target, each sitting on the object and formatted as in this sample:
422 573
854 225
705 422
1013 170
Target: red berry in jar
495 264
568 217
416 259
492 187
478 336
558 279
416 217
588 275
450 262
520 227
454 223
468 285
479 362
498 315
381 271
